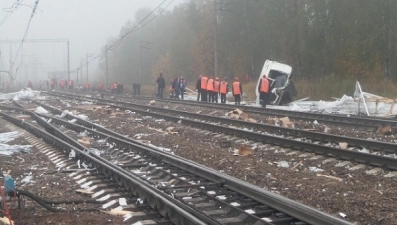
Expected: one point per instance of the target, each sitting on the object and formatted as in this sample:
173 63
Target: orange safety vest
204 80
216 87
223 88
70 82
236 88
210 85
265 85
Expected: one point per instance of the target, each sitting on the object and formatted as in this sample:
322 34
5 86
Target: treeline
318 38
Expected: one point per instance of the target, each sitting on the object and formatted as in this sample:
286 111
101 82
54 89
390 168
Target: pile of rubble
239 114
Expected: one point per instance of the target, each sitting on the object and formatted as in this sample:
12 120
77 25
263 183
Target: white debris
86 103
41 110
8 136
283 164
8 150
27 179
23 94
83 117
72 120
364 150
315 122
315 169
342 215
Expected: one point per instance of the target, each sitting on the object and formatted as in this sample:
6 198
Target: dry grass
332 86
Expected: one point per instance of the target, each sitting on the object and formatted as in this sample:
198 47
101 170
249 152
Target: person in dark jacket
198 87
160 86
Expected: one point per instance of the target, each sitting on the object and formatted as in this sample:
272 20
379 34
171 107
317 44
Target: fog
86 24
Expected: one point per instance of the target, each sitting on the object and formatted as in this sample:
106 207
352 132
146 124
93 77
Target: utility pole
106 56
221 6
145 45
81 73
87 68
68 61
88 55
215 37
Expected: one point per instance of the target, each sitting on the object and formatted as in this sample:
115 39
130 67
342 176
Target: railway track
342 120
195 194
383 152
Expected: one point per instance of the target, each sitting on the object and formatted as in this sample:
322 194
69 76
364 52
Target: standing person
204 93
216 89
176 87
237 91
198 87
263 89
160 85
172 87
210 89
223 90
182 86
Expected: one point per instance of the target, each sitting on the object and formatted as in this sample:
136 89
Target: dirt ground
365 199
48 184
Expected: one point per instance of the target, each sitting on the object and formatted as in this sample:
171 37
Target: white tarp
23 94
6 149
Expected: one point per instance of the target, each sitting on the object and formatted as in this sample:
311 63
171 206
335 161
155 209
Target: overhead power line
135 28
25 34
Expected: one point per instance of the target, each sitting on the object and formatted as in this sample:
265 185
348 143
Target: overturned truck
282 89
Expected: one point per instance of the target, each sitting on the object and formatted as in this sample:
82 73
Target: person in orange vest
223 90
210 90
62 84
217 85
263 89
204 93
70 84
237 91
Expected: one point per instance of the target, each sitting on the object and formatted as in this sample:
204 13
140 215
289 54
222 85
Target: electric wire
24 36
135 28
9 11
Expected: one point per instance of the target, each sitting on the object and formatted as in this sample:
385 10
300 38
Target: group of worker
209 88
116 88
63 84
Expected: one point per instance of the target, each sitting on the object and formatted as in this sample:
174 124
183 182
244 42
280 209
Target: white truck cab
281 88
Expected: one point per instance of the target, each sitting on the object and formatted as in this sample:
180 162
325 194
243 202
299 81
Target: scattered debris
239 114
245 151
342 215
6 221
152 102
296 165
8 150
85 141
283 164
41 110
315 169
331 177
285 122
384 130
343 145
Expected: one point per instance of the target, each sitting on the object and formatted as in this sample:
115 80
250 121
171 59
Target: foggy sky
88 24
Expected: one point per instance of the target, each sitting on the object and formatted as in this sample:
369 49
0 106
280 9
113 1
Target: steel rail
164 204
364 158
343 120
292 208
